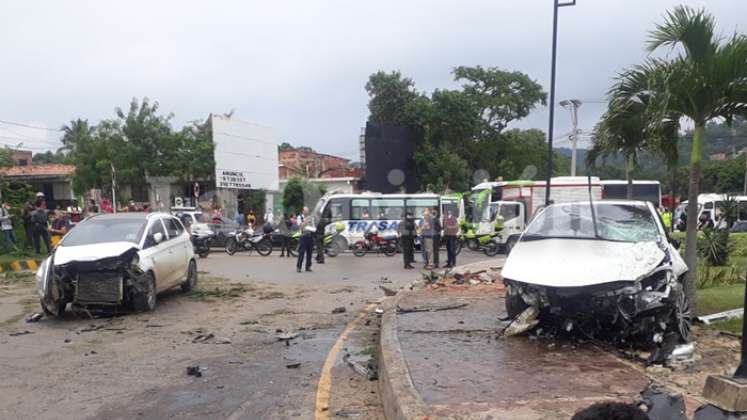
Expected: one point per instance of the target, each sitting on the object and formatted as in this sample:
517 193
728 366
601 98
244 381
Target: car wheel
145 301
231 246
57 310
683 315
515 304
264 247
359 249
191 281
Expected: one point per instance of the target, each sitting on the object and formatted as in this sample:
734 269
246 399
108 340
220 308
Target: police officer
306 244
407 237
321 226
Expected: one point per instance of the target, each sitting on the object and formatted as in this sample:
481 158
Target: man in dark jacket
39 226
437 228
407 237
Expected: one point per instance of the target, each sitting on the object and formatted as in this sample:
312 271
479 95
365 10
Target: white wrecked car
113 260
611 272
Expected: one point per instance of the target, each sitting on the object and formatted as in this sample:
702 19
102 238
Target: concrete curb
399 397
20 265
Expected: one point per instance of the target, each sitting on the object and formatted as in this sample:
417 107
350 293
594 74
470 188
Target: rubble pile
459 277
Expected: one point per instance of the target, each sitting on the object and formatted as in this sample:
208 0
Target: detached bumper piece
104 288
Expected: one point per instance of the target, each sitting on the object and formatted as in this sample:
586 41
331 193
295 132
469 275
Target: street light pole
573 105
556 5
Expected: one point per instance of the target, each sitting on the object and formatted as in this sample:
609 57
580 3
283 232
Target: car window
173 227
100 230
155 227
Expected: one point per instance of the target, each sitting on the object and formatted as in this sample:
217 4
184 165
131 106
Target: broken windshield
615 222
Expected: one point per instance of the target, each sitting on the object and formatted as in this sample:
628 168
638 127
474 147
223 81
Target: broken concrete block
727 393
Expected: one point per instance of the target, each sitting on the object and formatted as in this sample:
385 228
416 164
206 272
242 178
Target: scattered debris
347 413
522 323
17 333
222 340
711 412
660 405
153 326
401 310
379 311
250 322
384 280
194 371
67 340
35 317
201 338
733 313
370 370
294 365
339 310
387 291
287 336
93 327
683 352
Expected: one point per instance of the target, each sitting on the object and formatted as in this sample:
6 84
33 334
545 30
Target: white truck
516 202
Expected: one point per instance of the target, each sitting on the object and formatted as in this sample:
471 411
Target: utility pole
556 5
573 105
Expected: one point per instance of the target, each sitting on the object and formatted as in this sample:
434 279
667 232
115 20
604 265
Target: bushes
722 257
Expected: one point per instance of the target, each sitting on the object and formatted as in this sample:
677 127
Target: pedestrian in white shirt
6 225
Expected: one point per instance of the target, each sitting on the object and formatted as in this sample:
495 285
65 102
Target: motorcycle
333 244
201 242
248 240
373 242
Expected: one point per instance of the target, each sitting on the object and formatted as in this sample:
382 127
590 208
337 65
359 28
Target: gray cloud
300 66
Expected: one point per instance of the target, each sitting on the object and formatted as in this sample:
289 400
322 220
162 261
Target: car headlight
135 263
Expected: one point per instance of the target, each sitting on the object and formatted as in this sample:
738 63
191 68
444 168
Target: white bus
357 212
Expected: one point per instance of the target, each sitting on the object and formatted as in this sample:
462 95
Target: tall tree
705 79
390 97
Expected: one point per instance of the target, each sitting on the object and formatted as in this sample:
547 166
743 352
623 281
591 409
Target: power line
29 126
24 140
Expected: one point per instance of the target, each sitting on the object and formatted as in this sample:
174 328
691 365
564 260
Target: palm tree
704 79
74 133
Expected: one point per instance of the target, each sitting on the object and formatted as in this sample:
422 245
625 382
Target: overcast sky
301 66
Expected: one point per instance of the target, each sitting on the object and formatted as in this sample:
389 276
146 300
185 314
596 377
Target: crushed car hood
580 262
86 253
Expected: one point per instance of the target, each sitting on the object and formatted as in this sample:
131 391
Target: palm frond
693 29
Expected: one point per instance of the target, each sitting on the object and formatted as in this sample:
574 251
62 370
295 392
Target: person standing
239 219
451 232
268 216
284 232
27 225
306 245
437 228
6 224
406 234
39 225
426 229
321 227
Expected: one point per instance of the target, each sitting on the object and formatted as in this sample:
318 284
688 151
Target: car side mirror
675 243
158 237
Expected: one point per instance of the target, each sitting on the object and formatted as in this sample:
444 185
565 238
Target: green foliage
293 195
284 146
722 298
6 157
462 131
48 157
138 142
713 247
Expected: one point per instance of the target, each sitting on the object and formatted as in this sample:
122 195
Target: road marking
325 379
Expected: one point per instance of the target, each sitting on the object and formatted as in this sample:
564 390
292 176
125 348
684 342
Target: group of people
432 232
40 224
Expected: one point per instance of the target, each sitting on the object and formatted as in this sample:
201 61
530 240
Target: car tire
191 280
145 301
231 246
57 311
515 304
682 315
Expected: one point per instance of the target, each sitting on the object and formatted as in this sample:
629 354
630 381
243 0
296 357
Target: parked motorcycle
247 240
333 244
373 242
201 242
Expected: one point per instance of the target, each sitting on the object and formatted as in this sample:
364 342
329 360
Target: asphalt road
134 366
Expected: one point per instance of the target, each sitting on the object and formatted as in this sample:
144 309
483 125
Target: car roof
128 215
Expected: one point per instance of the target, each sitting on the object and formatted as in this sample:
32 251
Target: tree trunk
691 239
672 195
629 177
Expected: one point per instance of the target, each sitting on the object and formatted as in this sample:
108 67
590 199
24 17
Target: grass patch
271 295
346 289
211 288
712 300
13 278
733 325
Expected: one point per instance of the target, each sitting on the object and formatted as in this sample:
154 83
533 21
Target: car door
156 254
181 247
